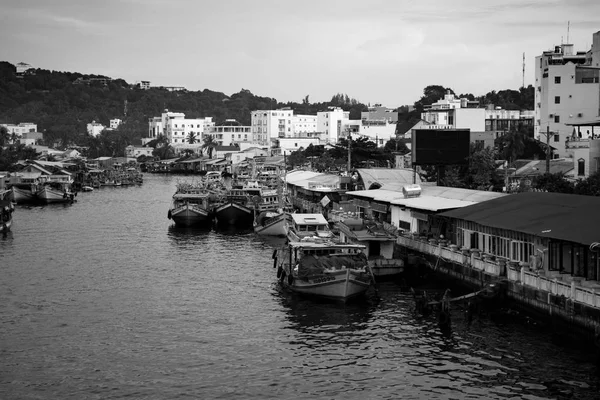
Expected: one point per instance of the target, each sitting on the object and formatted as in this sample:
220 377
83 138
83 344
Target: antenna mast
523 86
568 26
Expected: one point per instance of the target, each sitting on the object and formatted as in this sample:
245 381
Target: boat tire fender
282 276
290 279
169 214
279 271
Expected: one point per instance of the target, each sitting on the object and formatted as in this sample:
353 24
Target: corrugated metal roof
309 219
386 176
447 197
431 203
568 217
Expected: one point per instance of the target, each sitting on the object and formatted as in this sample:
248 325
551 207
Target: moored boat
235 208
55 192
309 227
24 192
192 206
334 271
272 223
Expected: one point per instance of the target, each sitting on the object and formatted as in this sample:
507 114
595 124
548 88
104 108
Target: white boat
334 271
303 227
87 189
192 206
272 223
55 192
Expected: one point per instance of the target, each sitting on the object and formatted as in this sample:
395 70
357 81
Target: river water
105 299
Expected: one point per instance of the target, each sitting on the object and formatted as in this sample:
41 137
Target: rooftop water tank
411 191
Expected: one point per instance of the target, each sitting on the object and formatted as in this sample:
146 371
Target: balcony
577 143
571 287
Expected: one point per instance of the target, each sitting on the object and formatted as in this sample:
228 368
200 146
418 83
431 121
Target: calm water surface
106 299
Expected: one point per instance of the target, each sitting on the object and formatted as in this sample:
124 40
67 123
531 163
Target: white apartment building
304 125
231 132
333 124
95 128
20 129
271 124
177 129
567 91
114 123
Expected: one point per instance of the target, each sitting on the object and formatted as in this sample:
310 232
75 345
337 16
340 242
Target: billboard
440 146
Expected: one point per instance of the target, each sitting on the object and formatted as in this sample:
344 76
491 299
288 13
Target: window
581 167
556 99
557 79
557 118
557 137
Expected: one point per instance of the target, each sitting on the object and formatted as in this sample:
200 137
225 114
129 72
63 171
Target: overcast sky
377 51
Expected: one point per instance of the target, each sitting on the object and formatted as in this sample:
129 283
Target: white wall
470 118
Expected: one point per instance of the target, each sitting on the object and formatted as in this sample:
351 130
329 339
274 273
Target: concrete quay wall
551 296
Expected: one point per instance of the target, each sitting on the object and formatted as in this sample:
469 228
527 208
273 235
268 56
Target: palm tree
191 139
209 145
513 145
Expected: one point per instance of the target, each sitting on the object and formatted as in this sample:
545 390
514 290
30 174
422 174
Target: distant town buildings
18 130
22 68
114 123
179 130
567 93
145 85
230 132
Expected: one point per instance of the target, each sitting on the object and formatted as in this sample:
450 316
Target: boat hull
233 214
22 195
50 195
188 215
274 226
339 286
387 268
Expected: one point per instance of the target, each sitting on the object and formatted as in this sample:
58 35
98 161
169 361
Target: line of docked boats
315 260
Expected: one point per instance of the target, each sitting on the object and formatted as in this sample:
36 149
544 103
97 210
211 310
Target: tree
4 135
553 183
589 186
191 139
160 140
209 145
512 145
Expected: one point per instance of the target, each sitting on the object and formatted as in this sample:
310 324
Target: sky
377 51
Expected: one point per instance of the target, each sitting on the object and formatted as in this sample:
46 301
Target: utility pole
349 152
523 86
548 149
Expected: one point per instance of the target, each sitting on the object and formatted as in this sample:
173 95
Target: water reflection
308 314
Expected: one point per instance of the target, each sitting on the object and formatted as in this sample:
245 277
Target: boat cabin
309 225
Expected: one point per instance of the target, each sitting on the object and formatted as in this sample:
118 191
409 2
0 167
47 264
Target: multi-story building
567 91
230 132
20 129
378 124
304 125
453 113
114 123
177 129
501 121
331 124
271 124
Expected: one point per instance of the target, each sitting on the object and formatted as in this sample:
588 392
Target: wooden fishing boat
334 271
192 206
55 192
235 208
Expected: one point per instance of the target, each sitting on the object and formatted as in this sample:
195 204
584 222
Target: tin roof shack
314 192
409 209
542 244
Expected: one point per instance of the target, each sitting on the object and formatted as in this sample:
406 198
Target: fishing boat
302 227
55 192
328 270
272 215
192 205
24 192
235 208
